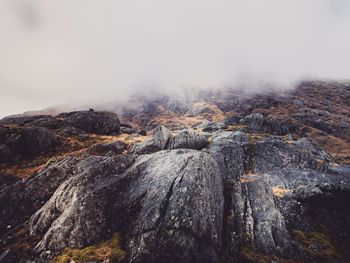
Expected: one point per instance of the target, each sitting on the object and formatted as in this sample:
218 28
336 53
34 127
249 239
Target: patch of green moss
107 250
249 255
316 245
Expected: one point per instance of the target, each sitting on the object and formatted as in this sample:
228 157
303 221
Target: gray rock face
257 123
20 200
100 122
175 224
160 138
232 120
177 194
211 126
25 142
253 216
275 154
76 213
45 121
189 140
254 121
106 148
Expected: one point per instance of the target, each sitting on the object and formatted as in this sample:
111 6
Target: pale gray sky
76 51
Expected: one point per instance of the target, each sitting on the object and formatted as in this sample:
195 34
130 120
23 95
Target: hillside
216 176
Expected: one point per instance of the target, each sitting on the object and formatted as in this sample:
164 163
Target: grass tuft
107 250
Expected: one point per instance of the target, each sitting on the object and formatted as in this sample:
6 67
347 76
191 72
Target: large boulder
253 121
142 200
276 125
189 140
77 213
19 200
211 126
46 121
18 143
99 122
275 153
160 138
180 209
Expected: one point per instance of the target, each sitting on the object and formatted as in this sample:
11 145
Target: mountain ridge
224 177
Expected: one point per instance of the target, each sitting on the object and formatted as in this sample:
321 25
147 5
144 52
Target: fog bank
81 51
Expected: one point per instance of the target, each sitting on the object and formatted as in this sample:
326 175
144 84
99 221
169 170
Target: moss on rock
107 250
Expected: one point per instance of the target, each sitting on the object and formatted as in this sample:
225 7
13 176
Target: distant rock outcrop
188 140
100 122
159 141
18 143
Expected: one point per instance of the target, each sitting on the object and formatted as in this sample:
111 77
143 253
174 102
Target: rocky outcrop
188 140
200 109
20 199
99 122
257 176
18 143
211 126
83 209
276 125
45 121
174 224
107 148
254 122
76 214
159 141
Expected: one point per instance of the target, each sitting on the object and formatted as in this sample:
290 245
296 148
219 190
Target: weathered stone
210 126
83 207
26 142
254 122
75 215
232 120
188 140
158 142
104 148
100 122
18 201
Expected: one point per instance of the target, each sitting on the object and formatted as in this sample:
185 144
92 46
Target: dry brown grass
21 172
279 191
337 148
131 139
217 114
107 251
71 146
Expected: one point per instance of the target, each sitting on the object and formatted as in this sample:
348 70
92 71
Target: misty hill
214 176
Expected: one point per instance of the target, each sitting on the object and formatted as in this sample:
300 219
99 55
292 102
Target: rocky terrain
223 176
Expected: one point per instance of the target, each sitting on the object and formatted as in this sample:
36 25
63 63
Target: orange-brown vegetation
279 191
73 146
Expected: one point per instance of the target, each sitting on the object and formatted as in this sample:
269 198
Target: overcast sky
77 51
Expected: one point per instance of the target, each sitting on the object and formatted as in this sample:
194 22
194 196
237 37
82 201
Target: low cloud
76 52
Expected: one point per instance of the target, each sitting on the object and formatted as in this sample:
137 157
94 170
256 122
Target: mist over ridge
86 52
